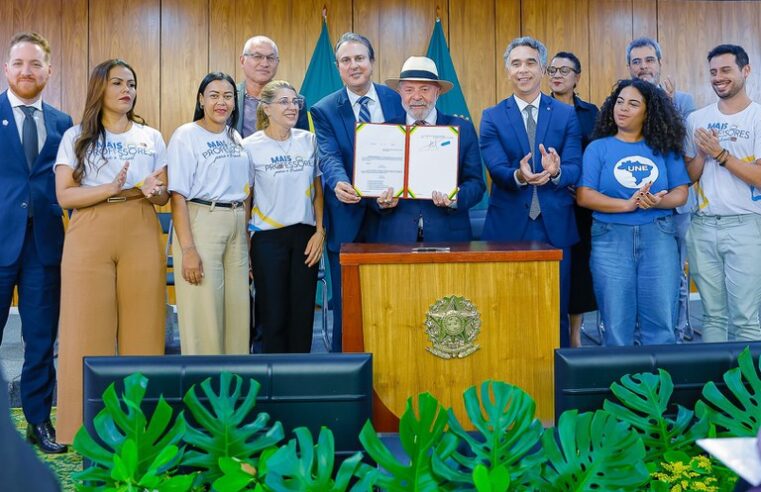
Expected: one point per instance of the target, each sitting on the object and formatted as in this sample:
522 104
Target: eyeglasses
258 57
285 102
564 71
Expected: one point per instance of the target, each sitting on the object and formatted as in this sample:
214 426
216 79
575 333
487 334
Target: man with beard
724 240
335 117
643 58
443 218
31 236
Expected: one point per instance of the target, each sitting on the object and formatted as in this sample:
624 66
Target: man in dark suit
259 62
334 119
31 236
443 218
531 145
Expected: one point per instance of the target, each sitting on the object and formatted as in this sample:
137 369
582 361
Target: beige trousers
214 315
113 281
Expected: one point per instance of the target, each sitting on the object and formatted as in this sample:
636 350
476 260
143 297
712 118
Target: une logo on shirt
634 171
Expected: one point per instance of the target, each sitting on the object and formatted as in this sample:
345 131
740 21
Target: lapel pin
5 122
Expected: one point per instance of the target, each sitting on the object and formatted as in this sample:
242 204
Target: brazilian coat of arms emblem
452 325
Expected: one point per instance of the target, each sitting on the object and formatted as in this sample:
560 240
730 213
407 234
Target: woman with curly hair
633 177
111 169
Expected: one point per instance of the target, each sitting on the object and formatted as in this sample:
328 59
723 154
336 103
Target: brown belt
126 195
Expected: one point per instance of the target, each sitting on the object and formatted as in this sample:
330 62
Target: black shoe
43 436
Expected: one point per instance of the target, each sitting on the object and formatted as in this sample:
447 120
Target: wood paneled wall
172 44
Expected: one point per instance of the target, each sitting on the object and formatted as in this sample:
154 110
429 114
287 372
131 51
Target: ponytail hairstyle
198 113
267 96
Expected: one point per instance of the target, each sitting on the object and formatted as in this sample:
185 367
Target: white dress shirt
19 116
373 105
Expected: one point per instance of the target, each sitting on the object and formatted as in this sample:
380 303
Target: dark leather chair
583 375
311 390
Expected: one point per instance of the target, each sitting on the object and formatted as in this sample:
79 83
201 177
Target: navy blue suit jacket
400 224
19 186
334 122
504 143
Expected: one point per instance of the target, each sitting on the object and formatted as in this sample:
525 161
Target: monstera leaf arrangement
630 444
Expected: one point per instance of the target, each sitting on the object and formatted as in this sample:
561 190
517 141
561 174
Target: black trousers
285 288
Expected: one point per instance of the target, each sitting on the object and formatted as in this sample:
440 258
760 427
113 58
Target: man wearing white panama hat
443 218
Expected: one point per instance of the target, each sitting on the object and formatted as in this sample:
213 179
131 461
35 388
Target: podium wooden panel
388 289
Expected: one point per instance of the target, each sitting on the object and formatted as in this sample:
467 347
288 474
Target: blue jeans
725 262
635 271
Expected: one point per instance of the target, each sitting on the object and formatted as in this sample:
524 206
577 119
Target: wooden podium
388 290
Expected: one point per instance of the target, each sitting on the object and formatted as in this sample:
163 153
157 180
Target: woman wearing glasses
286 221
209 177
564 73
633 177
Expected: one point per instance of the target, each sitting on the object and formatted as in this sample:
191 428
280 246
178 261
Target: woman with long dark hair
633 176
111 170
564 73
287 240
209 178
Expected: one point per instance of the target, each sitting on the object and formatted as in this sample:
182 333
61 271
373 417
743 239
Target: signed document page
379 151
432 157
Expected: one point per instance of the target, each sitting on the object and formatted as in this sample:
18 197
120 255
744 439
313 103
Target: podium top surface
472 252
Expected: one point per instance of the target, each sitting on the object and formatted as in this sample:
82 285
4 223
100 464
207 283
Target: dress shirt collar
430 119
522 104
371 94
16 102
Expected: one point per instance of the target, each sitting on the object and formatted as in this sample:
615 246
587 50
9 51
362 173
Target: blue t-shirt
618 169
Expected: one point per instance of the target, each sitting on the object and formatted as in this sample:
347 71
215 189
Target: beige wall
172 44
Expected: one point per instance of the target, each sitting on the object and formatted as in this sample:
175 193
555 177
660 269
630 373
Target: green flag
322 74
453 102
321 79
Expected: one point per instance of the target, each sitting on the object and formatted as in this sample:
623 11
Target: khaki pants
214 315
113 281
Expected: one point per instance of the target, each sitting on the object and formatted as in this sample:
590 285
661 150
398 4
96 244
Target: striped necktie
364 111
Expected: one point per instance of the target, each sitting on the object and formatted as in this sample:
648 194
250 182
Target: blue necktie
364 111
29 135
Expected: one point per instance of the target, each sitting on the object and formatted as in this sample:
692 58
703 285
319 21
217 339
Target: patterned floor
63 465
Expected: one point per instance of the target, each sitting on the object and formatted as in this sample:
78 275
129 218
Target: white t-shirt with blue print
618 169
720 192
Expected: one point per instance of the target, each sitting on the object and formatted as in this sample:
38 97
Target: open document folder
413 160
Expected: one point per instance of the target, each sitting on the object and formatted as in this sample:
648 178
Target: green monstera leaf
303 466
644 401
507 432
221 432
740 416
592 452
132 449
418 436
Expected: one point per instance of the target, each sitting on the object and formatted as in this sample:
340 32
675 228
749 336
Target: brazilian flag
322 76
321 79
453 102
